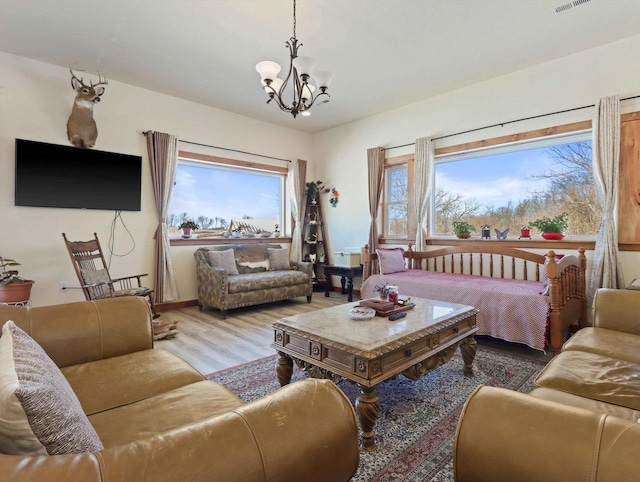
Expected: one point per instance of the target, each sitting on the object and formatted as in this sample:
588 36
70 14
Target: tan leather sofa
580 423
160 420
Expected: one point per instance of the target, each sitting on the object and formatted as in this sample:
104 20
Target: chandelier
303 93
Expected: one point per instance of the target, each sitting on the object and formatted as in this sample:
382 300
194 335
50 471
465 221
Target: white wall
35 103
574 81
36 99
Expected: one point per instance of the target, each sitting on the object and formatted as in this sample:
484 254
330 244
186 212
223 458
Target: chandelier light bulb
275 85
268 70
307 92
304 65
323 79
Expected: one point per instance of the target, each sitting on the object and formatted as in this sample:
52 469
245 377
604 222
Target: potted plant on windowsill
13 288
462 229
187 227
552 228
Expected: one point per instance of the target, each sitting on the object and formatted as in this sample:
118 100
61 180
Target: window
398 197
518 179
509 186
217 192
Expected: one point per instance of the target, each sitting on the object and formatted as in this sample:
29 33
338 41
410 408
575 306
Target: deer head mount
81 128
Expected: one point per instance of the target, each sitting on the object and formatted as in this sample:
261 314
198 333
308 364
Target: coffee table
327 344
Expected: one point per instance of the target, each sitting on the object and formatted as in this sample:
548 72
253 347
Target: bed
523 297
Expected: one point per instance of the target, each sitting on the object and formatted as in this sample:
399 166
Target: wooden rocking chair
94 277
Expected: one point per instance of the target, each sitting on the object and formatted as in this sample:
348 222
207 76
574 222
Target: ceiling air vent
569 5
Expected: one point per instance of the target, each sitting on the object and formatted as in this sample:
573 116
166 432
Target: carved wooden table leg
284 368
468 348
367 410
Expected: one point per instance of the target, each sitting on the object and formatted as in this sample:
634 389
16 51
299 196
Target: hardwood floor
210 343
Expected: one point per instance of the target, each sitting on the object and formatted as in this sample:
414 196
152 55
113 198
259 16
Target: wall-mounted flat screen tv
51 175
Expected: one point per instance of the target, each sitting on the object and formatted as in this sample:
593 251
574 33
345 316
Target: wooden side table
346 274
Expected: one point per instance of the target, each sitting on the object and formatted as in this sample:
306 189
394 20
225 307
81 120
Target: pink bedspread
512 310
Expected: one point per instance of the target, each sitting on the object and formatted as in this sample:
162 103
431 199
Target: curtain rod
502 124
226 149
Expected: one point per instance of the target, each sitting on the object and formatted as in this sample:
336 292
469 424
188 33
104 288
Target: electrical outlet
63 286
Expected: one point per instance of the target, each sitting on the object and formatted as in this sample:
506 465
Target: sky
497 179
225 193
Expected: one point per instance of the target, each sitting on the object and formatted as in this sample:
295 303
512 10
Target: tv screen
50 175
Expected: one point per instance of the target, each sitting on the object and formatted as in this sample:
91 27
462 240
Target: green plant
463 227
557 224
190 225
9 275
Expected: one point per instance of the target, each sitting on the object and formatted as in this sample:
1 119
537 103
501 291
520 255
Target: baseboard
175 305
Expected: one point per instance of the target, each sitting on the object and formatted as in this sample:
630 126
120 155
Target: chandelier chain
294 18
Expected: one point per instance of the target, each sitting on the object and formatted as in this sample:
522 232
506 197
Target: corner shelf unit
313 241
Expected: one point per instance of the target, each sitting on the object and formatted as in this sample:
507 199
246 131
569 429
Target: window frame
390 164
240 165
513 146
450 240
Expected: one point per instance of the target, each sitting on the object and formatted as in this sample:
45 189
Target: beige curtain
163 157
423 184
296 182
375 162
606 271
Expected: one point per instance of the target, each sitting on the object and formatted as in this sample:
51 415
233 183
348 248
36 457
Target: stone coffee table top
333 326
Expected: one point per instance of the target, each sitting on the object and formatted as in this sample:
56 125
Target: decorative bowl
360 313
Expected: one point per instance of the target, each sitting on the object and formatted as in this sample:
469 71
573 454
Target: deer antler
73 76
100 80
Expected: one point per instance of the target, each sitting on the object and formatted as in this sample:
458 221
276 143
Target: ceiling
384 53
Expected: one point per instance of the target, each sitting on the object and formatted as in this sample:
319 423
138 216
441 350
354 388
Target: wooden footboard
566 276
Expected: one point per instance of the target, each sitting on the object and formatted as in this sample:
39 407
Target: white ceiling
385 53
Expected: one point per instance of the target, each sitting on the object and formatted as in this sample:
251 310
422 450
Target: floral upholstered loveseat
238 275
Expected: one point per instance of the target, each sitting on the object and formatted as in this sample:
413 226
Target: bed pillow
391 260
278 259
39 412
224 259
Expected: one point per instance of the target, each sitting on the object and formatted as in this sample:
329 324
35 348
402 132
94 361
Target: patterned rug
417 420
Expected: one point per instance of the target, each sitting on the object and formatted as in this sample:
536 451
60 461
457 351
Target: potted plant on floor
462 229
13 288
187 227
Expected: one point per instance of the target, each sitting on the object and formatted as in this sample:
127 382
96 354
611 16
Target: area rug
417 420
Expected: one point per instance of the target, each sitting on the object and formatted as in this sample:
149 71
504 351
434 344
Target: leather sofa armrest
304 431
74 333
504 436
303 266
617 310
57 468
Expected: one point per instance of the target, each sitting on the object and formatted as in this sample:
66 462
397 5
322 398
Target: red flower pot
553 236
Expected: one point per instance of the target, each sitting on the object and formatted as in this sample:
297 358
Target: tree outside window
511 189
397 201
